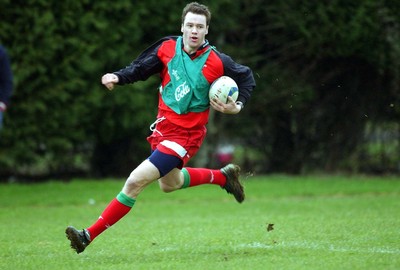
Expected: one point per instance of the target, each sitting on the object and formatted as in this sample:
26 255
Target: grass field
320 222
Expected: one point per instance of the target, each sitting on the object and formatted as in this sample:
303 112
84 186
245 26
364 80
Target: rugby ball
222 88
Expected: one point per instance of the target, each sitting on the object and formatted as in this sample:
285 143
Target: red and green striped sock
200 176
117 209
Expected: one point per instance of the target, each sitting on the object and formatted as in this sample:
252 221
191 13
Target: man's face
194 31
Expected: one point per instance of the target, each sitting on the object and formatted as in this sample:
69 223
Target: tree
326 72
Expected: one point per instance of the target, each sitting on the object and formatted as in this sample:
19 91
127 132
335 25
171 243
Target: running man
187 66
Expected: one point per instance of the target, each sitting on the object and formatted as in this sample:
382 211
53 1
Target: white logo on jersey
175 74
181 91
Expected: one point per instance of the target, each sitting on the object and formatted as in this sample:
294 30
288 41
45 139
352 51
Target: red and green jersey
187 89
156 59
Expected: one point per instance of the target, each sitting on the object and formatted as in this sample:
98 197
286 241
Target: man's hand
109 79
229 108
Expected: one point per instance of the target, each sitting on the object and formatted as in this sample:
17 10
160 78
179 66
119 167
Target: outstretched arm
145 65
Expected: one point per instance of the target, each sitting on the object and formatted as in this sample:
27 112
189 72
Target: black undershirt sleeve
241 74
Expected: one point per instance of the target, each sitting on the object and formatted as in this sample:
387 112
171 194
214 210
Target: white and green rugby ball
222 88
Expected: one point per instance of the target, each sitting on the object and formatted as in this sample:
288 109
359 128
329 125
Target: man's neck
194 51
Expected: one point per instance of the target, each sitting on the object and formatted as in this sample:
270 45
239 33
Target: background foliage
327 95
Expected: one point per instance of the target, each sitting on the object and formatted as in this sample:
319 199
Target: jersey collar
199 51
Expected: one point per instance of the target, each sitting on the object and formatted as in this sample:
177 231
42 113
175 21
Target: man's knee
142 176
171 181
166 188
133 185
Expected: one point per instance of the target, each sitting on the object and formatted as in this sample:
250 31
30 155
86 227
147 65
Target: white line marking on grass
316 246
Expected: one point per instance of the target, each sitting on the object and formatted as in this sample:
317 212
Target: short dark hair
196 8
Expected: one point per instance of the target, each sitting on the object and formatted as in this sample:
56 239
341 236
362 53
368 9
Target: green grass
320 222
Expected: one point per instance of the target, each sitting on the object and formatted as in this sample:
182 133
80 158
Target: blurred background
327 97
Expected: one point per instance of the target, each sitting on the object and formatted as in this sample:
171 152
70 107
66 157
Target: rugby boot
233 185
79 239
